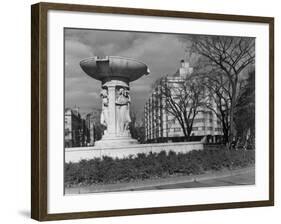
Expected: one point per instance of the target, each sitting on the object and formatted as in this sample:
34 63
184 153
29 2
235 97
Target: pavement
245 176
239 179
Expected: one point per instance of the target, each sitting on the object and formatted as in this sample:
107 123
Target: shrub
154 165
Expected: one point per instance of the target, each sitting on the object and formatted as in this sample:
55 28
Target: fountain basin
114 67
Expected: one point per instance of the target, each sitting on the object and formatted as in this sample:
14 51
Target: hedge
154 165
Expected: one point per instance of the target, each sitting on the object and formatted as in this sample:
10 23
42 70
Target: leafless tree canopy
183 100
223 60
230 54
218 99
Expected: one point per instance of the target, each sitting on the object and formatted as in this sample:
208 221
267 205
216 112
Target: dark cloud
104 42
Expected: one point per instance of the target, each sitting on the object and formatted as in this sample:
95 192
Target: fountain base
112 142
115 140
124 151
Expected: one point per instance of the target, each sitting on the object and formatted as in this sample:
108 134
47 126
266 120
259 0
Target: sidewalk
245 176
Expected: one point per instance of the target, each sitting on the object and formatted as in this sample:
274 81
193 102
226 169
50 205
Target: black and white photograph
153 111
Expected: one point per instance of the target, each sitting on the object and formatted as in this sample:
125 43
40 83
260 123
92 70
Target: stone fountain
115 74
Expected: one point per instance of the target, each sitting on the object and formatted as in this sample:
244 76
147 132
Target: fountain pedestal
114 136
115 73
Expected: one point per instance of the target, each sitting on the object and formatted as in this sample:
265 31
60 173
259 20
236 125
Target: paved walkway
245 176
239 179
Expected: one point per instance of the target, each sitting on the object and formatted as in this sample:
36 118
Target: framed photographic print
138 111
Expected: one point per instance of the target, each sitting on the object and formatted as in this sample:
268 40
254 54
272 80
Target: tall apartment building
162 126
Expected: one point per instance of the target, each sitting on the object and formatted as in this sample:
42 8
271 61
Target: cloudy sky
160 52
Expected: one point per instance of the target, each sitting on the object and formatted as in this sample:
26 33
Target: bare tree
182 99
218 99
230 56
244 115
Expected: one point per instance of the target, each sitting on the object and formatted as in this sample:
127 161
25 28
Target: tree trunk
231 120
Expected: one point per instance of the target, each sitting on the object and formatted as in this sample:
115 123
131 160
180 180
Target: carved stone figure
104 112
123 111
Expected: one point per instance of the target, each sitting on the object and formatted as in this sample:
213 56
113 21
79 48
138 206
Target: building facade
162 126
81 131
74 128
93 127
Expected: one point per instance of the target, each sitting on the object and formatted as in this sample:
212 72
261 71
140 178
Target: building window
172 121
209 113
195 129
210 128
199 120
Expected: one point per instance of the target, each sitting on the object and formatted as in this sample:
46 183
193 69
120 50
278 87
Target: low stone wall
77 154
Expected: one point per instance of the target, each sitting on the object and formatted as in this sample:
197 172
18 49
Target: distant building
161 126
93 129
74 128
90 129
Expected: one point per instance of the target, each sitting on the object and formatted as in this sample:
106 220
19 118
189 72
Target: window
209 113
172 121
199 120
